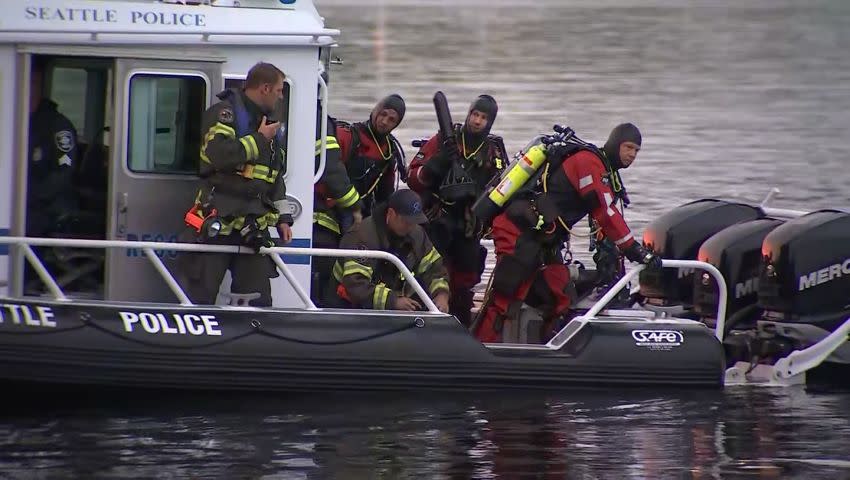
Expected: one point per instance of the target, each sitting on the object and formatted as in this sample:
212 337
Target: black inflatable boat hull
219 348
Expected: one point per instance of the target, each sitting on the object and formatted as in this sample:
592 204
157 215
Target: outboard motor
736 252
677 235
805 276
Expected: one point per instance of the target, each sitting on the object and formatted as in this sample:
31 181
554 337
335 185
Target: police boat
94 303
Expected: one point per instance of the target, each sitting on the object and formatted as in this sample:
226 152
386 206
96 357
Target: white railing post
43 274
166 275
281 266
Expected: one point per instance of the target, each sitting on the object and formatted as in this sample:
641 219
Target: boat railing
149 248
572 327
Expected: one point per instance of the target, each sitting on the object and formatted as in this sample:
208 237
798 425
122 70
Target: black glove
440 163
636 253
255 237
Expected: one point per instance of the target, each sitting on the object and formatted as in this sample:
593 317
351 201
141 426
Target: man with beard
361 160
530 233
450 175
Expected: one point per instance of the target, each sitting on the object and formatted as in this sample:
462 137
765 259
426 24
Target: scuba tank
523 173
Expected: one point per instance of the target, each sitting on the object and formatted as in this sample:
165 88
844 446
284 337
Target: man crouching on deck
394 227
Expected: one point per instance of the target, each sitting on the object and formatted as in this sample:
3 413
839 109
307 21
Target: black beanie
624 132
485 104
392 102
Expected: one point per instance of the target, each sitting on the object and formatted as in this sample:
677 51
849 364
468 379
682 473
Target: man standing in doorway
242 192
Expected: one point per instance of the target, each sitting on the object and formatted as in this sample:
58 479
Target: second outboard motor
678 235
736 252
805 276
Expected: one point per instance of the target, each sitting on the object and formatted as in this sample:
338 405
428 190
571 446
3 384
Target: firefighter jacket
334 190
241 171
376 284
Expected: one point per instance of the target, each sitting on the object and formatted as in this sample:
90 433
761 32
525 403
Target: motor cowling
736 252
677 235
805 273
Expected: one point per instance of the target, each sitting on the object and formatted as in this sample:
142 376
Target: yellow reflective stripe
220 129
259 172
223 129
204 157
262 172
349 198
438 284
264 221
351 267
330 144
337 271
249 152
427 261
329 140
252 152
268 220
326 221
380 296
228 227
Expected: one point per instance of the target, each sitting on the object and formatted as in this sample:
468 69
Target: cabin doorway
70 105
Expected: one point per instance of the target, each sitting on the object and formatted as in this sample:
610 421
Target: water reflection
751 433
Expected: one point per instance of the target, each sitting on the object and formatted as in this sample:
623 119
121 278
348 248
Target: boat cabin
133 77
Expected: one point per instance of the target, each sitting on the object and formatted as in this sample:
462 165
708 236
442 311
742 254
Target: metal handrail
323 91
558 340
149 247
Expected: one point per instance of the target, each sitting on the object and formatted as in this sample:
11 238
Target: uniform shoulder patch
225 115
64 140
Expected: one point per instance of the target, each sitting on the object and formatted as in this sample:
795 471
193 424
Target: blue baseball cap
407 203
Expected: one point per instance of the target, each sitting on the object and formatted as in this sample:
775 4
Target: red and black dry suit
242 179
454 230
376 284
531 232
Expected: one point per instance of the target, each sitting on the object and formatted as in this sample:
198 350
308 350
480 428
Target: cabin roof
139 21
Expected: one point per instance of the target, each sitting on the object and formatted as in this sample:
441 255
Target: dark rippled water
742 433
732 98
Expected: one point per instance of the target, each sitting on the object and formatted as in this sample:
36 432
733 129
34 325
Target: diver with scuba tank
449 172
535 204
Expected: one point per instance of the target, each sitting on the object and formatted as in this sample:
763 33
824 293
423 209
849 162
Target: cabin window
165 123
281 111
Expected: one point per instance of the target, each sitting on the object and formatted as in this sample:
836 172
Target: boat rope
258 326
86 319
42 331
